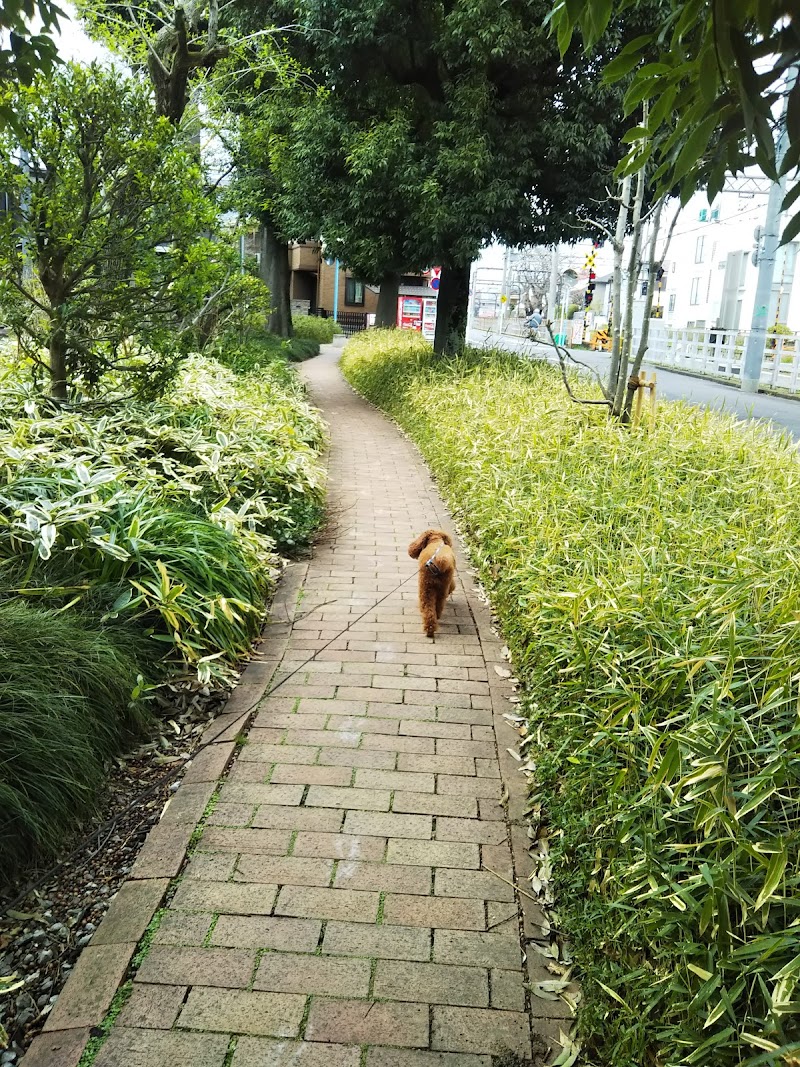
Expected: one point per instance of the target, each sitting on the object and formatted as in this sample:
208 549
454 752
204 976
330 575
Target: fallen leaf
543 994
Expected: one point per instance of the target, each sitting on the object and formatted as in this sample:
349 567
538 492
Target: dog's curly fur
436 582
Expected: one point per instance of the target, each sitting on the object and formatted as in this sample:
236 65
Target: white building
709 277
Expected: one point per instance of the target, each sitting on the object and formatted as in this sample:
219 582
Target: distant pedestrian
534 321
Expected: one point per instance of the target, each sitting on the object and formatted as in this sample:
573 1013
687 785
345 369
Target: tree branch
561 352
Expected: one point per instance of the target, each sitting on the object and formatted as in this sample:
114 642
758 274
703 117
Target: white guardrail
720 353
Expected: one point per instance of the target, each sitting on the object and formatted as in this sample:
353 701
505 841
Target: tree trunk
634 262
275 272
58 362
451 309
653 266
386 312
616 287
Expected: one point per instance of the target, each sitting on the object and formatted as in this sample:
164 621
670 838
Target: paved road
703 392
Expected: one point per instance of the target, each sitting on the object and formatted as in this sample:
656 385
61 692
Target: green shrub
171 511
647 582
310 326
66 707
302 348
264 352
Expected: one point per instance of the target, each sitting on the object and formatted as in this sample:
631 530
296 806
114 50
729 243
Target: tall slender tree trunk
654 264
634 262
616 286
275 272
451 309
386 312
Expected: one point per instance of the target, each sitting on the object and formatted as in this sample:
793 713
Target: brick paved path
340 908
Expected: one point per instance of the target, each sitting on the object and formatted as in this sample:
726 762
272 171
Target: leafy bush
66 707
103 297
320 330
170 511
264 351
647 581
141 523
299 349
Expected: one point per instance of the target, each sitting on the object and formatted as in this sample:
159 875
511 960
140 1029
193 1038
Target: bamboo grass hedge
648 583
136 540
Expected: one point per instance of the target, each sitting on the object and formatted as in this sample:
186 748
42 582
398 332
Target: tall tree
110 214
177 44
439 128
174 42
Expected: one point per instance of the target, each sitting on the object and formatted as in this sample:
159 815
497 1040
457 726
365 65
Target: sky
73 43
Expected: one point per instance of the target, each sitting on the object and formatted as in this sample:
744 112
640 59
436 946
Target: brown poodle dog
437 575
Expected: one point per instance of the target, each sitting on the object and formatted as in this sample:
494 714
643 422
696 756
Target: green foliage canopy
432 130
24 54
716 75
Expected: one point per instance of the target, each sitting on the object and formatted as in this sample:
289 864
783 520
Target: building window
671 302
354 292
698 250
694 297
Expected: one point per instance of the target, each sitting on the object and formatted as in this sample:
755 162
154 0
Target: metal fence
350 321
720 353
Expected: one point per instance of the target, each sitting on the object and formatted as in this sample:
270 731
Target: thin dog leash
174 772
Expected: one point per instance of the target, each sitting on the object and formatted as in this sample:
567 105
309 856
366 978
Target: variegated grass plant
122 526
170 512
648 583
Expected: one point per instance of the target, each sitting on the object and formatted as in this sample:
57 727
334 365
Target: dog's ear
448 540
419 543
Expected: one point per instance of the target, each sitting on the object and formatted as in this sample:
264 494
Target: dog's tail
429 620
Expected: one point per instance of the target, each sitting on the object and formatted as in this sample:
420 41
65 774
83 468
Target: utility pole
504 292
473 270
551 294
756 342
336 291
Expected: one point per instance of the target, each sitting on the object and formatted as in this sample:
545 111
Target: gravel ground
43 929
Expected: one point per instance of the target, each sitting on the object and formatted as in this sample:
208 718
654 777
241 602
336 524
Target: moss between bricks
301 1033
197 833
101 1032
146 942
210 932
122 995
